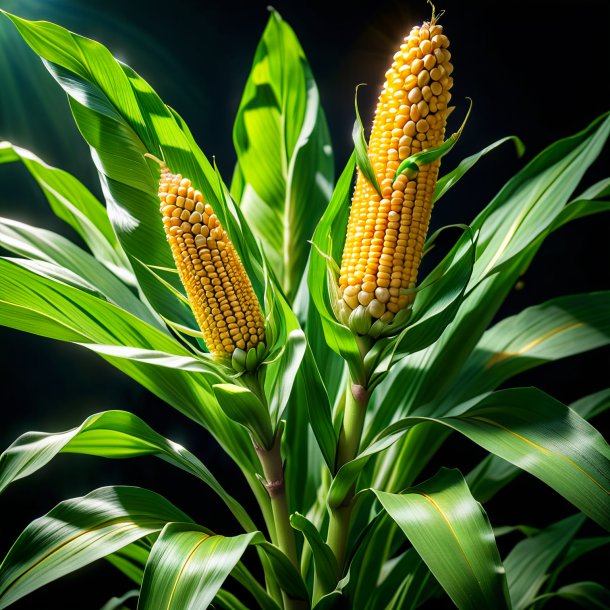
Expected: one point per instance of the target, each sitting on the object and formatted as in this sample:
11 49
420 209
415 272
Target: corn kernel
385 236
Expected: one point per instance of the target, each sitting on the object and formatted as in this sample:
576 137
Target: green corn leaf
228 601
527 428
118 603
529 201
76 205
48 247
131 559
589 595
326 569
511 227
79 531
405 586
441 514
592 201
556 329
284 152
111 434
244 407
122 118
493 473
327 248
444 183
528 563
361 149
577 549
187 567
41 306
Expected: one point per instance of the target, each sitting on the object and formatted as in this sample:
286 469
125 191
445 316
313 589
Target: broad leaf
187 567
284 152
75 204
527 428
556 329
111 434
52 309
122 118
441 514
493 473
512 228
48 247
79 531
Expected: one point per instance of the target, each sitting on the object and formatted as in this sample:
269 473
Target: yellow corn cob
385 235
218 288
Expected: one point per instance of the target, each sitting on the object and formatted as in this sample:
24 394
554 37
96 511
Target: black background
536 69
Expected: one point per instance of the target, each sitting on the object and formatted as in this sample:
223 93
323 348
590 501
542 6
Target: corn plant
284 315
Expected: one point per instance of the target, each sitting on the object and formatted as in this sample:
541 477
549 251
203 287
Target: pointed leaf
245 408
444 183
327 571
79 531
528 564
75 204
441 514
527 428
187 567
284 152
112 434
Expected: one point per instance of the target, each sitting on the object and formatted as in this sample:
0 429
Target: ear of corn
386 234
218 288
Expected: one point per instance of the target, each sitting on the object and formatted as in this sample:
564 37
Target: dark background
536 69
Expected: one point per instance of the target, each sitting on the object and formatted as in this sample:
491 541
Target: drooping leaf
556 329
527 428
512 228
111 434
493 473
52 309
188 565
518 219
51 248
528 563
441 514
79 531
75 204
589 595
122 118
444 183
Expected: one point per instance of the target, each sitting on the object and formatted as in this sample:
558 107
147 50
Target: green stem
271 461
356 403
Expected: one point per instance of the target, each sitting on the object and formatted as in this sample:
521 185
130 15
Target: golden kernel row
386 234
220 292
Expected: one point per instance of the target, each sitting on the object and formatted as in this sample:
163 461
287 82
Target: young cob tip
386 234
218 288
